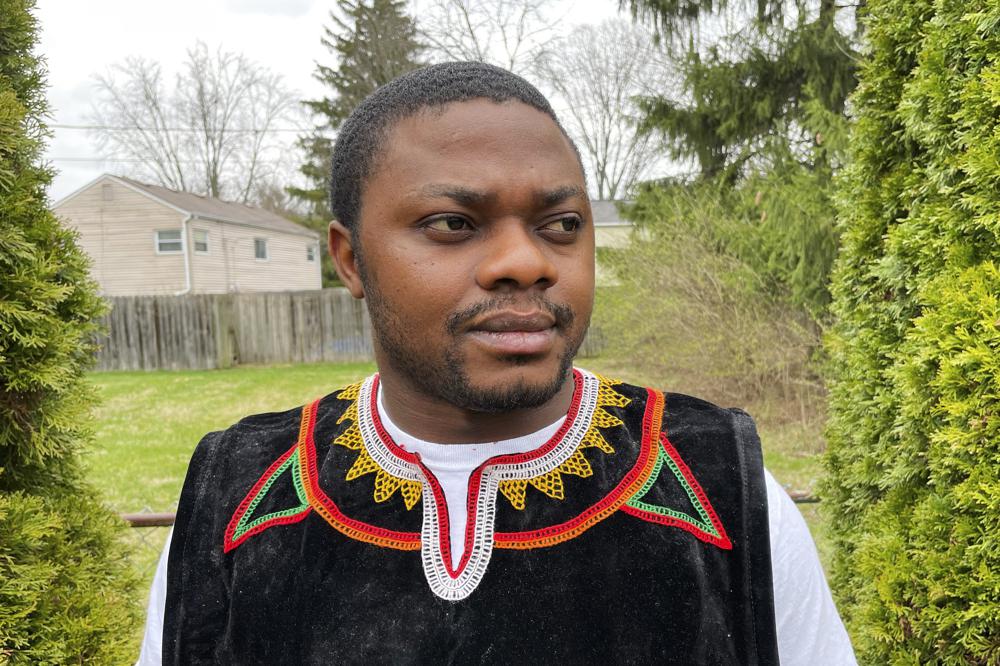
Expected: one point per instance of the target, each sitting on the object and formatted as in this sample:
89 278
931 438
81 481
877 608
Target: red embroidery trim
229 543
475 480
326 507
614 500
444 525
722 541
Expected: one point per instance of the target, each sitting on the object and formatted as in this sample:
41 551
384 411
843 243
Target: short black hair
361 136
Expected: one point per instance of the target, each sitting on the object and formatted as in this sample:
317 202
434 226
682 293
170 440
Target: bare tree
509 33
213 133
596 73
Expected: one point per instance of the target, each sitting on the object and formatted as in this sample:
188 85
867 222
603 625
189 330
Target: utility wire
133 128
136 160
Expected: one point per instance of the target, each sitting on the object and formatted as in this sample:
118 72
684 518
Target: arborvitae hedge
66 591
914 440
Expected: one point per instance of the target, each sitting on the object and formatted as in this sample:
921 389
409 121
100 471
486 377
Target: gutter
185 232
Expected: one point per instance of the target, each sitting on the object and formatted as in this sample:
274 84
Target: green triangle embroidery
706 521
246 524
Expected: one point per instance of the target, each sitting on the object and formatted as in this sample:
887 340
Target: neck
432 419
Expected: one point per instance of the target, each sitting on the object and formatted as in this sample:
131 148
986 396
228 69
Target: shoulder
683 419
693 424
685 414
247 438
708 476
230 457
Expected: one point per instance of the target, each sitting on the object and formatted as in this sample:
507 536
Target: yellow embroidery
594 438
411 493
515 490
365 464
577 465
351 438
551 483
385 484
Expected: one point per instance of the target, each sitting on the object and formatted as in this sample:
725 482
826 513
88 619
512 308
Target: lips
515 333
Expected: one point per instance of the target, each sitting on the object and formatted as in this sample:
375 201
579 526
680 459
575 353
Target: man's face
476 253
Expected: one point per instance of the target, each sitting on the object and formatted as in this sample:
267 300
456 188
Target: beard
447 377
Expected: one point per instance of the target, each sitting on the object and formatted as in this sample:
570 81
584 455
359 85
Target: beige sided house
610 231
146 239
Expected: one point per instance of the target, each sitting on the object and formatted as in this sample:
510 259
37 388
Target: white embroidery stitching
434 562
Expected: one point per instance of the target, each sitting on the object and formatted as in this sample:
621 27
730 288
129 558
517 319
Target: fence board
221 330
205 331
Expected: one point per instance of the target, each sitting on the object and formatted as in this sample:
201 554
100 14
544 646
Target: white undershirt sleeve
810 632
152 639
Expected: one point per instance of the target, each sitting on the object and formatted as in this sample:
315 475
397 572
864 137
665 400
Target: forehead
480 143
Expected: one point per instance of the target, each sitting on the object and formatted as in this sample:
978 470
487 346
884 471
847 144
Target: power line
136 160
133 128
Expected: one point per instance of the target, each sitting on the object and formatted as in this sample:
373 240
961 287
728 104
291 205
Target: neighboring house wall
118 225
230 264
117 228
616 235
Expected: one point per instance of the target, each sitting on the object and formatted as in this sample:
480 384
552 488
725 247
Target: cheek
417 292
577 283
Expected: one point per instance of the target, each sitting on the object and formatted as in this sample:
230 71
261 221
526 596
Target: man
479 499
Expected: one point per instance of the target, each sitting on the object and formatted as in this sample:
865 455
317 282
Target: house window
201 241
169 241
260 249
310 253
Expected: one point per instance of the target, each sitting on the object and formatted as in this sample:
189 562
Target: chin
521 384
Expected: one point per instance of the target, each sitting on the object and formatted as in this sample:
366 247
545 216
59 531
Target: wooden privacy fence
204 331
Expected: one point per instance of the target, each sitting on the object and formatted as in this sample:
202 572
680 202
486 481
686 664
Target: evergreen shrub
66 589
913 457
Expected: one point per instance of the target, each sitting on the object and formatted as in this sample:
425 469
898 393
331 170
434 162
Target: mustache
562 313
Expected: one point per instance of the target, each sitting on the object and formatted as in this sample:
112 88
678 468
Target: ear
345 258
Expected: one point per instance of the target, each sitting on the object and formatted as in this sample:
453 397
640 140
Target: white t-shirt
810 632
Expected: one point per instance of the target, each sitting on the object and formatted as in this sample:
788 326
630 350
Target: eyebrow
469 197
463 195
554 197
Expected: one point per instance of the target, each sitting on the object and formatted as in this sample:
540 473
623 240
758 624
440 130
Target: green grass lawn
148 424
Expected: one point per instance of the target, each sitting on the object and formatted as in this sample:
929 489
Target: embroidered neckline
392 476
506 474
299 464
458 582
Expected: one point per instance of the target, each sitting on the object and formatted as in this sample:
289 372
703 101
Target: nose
514 257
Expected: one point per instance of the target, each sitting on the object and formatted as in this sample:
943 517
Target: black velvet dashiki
636 534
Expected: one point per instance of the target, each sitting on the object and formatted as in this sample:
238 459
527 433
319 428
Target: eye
448 224
447 228
563 227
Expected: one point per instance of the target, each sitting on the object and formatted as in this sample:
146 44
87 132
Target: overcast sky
80 39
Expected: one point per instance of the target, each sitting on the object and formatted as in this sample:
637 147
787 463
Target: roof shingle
224 211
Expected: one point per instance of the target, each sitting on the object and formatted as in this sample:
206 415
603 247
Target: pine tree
373 42
751 88
914 436
66 591
761 109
